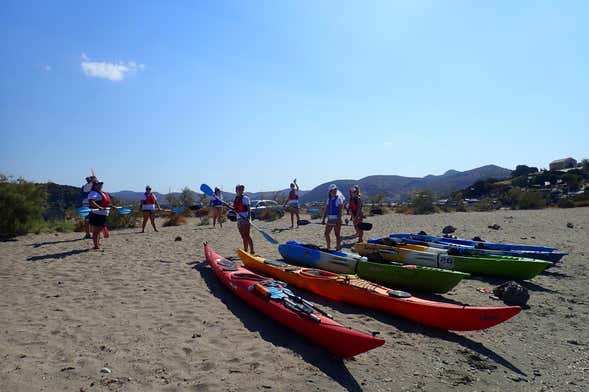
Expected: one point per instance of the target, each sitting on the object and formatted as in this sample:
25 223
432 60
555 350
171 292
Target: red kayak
272 298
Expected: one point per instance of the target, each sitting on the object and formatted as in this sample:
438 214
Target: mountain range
392 187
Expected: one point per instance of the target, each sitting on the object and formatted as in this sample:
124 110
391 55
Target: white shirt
96 196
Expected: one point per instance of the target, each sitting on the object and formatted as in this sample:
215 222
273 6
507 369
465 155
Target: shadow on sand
409 326
278 334
56 256
525 283
39 244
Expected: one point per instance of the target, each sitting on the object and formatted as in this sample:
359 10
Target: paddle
209 192
365 226
298 299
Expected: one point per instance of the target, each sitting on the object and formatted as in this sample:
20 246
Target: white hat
332 187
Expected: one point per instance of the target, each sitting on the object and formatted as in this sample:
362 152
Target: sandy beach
149 309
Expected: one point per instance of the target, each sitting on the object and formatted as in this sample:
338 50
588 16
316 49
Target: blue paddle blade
204 188
268 237
124 211
83 211
178 210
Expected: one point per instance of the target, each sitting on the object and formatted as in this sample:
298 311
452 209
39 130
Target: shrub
423 202
22 204
175 220
484 205
118 221
522 200
565 203
204 221
203 212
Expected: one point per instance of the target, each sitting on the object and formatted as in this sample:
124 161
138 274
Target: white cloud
106 70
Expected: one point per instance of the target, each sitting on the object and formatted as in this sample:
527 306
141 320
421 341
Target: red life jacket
149 199
238 205
105 201
354 204
292 195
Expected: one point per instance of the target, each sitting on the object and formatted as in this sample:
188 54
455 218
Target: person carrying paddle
86 188
241 205
355 208
100 204
333 213
148 205
292 203
217 207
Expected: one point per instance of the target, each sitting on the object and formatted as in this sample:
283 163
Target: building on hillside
561 164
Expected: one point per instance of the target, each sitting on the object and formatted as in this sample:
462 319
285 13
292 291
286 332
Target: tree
573 181
186 197
21 204
423 202
523 170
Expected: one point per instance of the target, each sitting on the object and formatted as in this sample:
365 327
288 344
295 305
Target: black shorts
97 220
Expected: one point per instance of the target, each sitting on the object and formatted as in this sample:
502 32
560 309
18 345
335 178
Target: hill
61 197
401 188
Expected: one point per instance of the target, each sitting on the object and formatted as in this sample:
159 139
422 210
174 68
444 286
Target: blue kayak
470 250
334 261
476 244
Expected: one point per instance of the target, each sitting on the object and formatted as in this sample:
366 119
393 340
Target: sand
147 308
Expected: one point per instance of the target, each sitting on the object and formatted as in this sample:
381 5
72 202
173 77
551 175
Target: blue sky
178 93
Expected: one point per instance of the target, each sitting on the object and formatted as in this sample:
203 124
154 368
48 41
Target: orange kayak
356 291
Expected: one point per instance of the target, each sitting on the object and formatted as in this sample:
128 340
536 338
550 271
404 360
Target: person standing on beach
148 205
217 207
241 205
355 208
100 204
333 213
292 203
86 188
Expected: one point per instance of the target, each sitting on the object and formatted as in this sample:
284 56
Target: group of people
100 205
335 206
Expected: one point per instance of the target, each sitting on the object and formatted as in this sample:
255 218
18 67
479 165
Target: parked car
260 209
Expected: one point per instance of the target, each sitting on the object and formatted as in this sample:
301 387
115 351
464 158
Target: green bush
484 205
22 204
118 221
521 200
204 220
423 203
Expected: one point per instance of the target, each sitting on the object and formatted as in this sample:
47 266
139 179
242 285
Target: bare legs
244 230
359 231
292 215
337 228
151 216
96 236
217 212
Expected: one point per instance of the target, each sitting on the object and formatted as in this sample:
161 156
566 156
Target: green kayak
407 276
518 268
394 275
